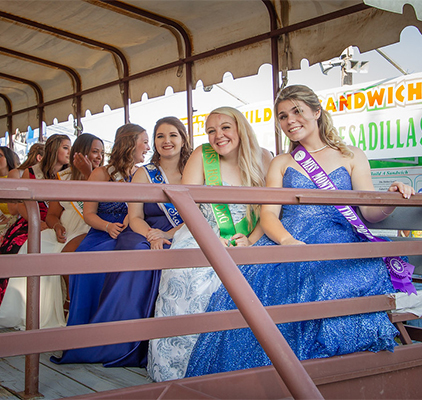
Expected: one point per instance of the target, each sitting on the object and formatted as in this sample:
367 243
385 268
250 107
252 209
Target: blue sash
157 175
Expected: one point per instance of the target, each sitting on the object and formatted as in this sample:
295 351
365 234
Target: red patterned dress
16 236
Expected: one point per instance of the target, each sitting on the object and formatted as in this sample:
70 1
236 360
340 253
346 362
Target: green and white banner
384 119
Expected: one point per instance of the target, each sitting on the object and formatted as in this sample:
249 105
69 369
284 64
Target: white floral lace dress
184 291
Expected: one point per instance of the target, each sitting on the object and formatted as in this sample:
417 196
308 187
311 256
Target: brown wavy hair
47 163
327 132
82 145
121 157
186 149
37 149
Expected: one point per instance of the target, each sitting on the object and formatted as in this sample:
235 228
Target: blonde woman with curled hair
233 151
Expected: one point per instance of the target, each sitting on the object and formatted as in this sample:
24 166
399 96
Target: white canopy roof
53 50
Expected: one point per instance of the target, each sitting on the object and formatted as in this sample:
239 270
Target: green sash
221 211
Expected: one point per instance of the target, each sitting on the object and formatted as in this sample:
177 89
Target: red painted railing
261 320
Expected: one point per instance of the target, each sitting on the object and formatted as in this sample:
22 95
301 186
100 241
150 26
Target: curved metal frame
38 94
78 38
9 117
186 40
189 59
76 79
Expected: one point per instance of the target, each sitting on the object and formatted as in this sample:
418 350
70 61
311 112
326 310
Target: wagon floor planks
59 381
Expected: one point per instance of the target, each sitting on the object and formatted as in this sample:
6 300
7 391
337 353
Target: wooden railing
261 320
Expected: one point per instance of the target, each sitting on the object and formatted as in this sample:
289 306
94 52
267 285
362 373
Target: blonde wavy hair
249 155
327 132
121 157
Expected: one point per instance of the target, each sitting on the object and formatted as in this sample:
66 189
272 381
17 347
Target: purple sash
400 270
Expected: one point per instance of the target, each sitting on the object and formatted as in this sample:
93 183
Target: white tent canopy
60 57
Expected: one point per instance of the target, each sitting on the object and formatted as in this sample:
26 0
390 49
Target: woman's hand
237 240
82 163
154 234
44 226
60 232
158 244
114 229
240 240
402 188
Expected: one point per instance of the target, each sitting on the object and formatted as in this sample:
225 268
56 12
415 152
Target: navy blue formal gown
304 282
85 289
125 296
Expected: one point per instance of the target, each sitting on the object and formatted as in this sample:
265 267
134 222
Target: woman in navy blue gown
131 295
302 119
107 220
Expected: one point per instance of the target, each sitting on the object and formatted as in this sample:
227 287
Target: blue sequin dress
304 282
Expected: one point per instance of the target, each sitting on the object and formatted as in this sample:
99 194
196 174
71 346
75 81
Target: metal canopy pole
32 361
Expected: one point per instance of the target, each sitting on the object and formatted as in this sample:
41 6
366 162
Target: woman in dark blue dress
302 119
131 295
107 221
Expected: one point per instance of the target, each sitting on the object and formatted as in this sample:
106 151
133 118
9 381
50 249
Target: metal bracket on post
272 341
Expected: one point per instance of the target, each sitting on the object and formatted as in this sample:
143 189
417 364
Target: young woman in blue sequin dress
302 119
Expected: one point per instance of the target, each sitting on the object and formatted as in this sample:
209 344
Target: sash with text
400 270
221 211
156 175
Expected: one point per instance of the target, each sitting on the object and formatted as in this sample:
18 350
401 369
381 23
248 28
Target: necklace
316 151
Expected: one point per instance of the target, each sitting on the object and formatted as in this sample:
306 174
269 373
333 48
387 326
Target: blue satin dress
125 296
304 282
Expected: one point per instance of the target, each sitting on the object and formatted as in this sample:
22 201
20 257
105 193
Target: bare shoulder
13 174
193 174
25 174
359 157
195 159
140 176
99 174
281 161
197 153
276 170
357 152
